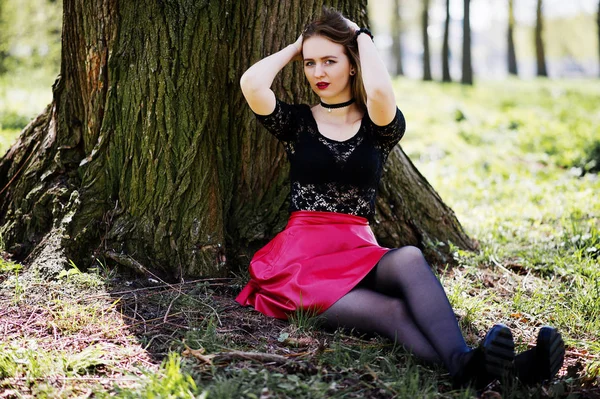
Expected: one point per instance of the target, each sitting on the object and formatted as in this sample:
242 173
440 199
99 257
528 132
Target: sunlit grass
508 157
23 95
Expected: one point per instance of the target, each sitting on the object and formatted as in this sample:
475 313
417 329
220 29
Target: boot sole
550 352
499 351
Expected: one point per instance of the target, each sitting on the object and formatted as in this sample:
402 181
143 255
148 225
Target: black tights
403 300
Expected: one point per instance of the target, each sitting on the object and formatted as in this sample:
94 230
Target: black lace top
329 175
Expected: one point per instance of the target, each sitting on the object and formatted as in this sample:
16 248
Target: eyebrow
327 56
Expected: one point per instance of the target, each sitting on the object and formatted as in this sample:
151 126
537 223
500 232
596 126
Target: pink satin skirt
317 259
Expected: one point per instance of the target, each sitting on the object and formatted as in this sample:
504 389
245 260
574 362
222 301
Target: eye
329 62
309 63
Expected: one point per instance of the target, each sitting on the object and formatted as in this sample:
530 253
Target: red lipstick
322 85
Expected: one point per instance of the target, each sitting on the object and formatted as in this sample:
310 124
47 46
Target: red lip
322 85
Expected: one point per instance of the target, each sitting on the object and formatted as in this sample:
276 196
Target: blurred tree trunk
539 41
446 47
425 34
3 39
512 57
467 68
397 36
149 156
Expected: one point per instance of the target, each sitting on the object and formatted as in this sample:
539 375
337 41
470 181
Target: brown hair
332 26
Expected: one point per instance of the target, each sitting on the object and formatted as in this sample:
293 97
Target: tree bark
539 41
425 34
446 47
512 56
397 37
148 154
467 68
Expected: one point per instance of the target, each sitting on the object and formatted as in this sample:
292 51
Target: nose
318 71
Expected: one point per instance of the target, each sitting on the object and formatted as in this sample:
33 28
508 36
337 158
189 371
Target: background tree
539 41
396 23
467 68
512 57
598 20
148 154
446 47
4 40
425 35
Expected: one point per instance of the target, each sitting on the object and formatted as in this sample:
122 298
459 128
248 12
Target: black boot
543 361
490 361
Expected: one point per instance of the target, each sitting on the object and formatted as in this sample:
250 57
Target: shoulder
285 108
392 131
284 120
398 122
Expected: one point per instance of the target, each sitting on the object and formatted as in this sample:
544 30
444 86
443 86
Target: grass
514 160
22 97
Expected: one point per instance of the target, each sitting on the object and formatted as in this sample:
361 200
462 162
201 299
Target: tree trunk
425 34
446 47
598 20
148 154
467 68
539 41
512 56
396 37
3 38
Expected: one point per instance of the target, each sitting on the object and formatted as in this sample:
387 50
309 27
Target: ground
100 333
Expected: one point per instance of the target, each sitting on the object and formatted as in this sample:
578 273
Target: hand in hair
351 25
298 45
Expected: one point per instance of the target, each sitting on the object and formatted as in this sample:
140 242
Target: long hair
332 26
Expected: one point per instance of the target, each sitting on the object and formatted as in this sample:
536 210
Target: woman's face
327 69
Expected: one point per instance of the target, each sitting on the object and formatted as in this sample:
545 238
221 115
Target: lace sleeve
282 122
389 135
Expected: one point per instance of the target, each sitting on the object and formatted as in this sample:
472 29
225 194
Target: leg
404 273
369 311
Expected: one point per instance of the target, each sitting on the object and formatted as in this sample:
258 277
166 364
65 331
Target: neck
337 105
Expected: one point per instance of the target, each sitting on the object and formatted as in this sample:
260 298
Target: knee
409 255
412 252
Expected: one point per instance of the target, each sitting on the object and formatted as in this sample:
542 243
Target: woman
327 260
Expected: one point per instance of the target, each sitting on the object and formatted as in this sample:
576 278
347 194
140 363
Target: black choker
334 106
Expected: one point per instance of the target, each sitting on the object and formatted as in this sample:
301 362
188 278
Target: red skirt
317 259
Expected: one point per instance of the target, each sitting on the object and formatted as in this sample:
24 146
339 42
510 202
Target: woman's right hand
298 46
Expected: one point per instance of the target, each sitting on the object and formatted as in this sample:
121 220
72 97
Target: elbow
248 83
245 81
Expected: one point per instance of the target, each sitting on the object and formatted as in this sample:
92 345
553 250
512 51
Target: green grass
513 159
22 97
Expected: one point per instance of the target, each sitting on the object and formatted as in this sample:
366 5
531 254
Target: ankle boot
541 363
490 361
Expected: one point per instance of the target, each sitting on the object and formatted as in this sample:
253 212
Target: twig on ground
128 261
234 355
169 307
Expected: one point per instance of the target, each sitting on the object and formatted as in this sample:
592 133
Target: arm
381 102
256 81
